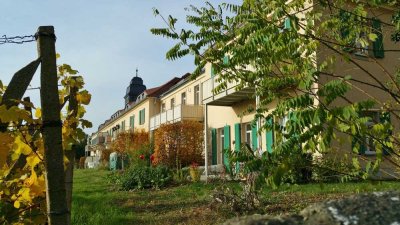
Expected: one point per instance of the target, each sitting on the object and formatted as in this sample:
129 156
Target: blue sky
104 40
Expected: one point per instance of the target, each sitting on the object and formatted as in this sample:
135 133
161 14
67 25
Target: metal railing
210 84
178 113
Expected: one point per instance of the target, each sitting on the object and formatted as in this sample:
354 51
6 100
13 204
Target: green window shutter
132 122
269 137
384 117
144 115
379 51
123 125
359 142
212 71
254 136
287 25
238 137
214 146
238 141
227 145
345 30
226 60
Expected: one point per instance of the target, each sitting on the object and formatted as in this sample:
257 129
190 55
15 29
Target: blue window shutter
269 136
254 136
214 146
379 51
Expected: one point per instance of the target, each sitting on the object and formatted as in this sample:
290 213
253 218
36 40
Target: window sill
369 153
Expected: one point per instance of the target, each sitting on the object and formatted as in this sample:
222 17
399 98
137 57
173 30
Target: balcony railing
225 97
178 113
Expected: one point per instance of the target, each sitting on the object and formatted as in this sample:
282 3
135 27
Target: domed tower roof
135 88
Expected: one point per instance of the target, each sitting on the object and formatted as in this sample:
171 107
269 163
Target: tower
134 89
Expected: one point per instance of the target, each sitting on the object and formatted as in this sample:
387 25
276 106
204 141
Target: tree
291 53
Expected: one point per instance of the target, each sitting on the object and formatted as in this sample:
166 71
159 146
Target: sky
105 40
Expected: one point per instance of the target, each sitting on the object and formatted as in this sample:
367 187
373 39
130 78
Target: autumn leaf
83 97
6 141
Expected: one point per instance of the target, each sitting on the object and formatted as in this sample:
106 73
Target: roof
157 91
151 92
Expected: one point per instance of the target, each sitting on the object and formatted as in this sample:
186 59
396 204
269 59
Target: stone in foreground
378 208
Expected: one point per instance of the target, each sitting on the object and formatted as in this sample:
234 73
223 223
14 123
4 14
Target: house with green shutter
229 125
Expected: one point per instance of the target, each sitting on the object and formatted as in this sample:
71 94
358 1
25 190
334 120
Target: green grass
94 201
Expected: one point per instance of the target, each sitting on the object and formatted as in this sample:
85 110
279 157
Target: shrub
82 163
141 177
141 155
179 144
331 168
130 144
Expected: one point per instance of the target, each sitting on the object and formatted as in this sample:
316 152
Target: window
163 107
142 116
366 144
362 45
183 98
197 95
123 125
248 134
172 103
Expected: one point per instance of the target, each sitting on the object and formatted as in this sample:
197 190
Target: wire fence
17 39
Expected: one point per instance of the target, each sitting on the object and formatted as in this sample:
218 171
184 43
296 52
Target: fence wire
17 39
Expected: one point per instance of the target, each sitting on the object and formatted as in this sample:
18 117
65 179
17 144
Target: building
140 105
227 125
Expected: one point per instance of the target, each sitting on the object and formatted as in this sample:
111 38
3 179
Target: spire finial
137 71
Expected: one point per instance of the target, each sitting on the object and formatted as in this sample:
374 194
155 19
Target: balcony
226 97
178 113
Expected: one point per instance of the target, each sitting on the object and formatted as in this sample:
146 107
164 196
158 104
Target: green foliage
143 177
288 52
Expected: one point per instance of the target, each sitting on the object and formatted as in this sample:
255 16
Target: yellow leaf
32 160
17 204
57 55
38 113
21 147
83 97
25 195
38 188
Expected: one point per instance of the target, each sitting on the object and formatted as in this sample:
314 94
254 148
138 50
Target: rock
266 220
378 208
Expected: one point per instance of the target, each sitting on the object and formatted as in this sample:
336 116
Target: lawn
95 202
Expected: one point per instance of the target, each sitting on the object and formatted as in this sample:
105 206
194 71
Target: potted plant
194 172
